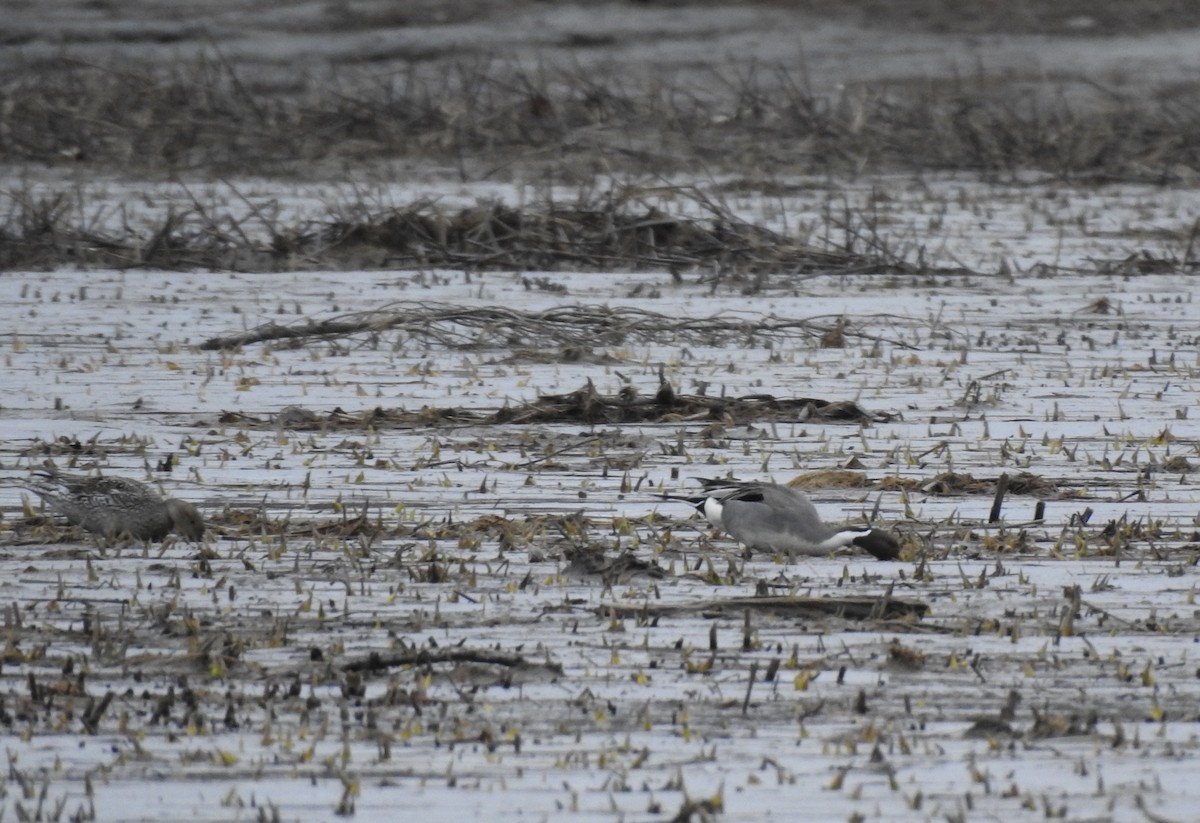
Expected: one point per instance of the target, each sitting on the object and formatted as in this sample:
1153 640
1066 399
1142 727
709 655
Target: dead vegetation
843 608
626 228
428 657
483 118
962 484
611 231
564 328
621 229
585 406
357 643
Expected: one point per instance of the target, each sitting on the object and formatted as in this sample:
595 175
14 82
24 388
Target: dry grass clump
600 234
47 230
588 406
500 236
484 119
961 483
597 233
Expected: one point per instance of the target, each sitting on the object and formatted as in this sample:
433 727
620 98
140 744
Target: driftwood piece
848 608
376 661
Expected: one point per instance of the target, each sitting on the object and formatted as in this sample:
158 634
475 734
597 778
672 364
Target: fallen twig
850 608
423 657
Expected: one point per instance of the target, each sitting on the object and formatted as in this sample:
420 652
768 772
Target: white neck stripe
843 538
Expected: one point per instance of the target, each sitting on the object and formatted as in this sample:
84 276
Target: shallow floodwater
239 671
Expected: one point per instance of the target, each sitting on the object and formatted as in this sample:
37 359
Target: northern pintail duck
770 517
117 507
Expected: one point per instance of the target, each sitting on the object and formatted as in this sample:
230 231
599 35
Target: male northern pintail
770 517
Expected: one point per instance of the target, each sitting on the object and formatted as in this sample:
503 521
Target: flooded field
504 617
428 333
